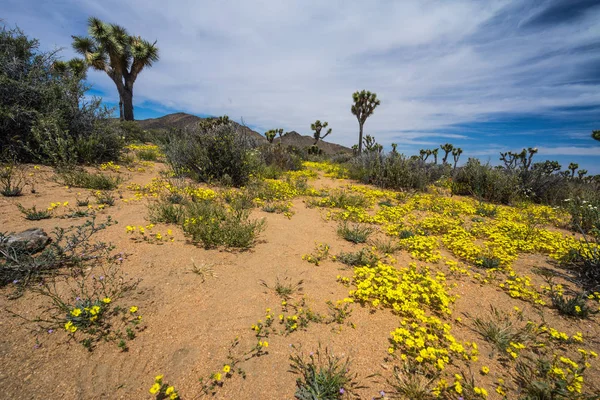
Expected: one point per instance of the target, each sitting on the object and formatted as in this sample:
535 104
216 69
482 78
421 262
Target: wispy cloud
434 64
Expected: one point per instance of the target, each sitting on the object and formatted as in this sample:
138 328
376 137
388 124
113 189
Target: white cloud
286 63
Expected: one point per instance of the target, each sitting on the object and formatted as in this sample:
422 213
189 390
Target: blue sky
488 76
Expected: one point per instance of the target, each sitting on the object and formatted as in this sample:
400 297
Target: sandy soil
190 323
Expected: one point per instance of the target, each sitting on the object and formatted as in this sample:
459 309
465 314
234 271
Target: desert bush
46 117
278 158
80 178
219 153
486 182
213 224
395 171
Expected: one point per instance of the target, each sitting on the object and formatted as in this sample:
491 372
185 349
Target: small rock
32 240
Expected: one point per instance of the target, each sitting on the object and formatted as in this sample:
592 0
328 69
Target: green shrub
46 117
221 153
213 224
486 182
79 177
395 171
355 233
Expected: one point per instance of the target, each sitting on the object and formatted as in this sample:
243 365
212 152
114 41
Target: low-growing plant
69 247
361 258
203 270
413 382
541 377
355 233
487 262
165 211
387 246
11 180
163 390
338 312
405 234
84 304
33 214
486 210
321 253
574 306
285 288
105 197
500 330
323 375
80 178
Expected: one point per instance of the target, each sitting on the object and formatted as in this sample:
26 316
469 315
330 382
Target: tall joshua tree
317 126
271 133
364 105
111 49
456 152
447 150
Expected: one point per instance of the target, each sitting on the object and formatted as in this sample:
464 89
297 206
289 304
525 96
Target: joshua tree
424 154
364 105
524 158
394 146
317 127
271 133
111 49
371 145
573 167
434 152
447 150
581 173
596 135
456 152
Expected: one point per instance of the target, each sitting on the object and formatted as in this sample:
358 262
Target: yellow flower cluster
321 252
422 248
110 166
145 233
330 169
521 288
163 390
405 290
427 340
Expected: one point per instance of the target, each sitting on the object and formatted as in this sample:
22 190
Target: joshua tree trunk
127 97
360 137
120 108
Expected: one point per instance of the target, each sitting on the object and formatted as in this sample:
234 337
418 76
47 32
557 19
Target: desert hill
293 138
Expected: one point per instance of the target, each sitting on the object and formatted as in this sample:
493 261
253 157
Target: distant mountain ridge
293 138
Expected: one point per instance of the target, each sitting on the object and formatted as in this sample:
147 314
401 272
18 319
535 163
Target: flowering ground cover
192 291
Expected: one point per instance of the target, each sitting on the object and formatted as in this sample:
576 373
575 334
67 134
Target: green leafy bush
45 117
220 153
486 182
212 224
79 177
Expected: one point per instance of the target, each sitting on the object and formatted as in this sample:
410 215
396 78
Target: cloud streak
434 64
